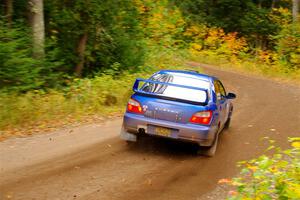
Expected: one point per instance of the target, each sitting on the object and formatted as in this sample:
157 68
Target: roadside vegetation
71 61
81 100
269 177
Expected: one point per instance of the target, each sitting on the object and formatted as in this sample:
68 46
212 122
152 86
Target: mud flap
124 135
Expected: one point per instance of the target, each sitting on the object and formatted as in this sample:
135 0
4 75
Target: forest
77 59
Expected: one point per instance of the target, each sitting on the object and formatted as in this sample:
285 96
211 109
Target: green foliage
288 46
80 98
17 68
162 23
112 28
256 25
101 95
257 21
121 33
19 71
270 177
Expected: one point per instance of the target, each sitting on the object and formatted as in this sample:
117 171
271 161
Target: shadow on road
163 147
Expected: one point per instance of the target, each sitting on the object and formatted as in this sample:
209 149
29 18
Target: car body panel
171 117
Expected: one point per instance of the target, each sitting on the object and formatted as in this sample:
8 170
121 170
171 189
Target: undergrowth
275 71
275 176
81 100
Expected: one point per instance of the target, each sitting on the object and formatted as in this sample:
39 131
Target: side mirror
231 96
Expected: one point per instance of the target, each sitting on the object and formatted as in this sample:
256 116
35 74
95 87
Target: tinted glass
179 92
219 90
222 89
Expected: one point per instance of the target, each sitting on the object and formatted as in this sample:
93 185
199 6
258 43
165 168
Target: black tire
227 123
210 151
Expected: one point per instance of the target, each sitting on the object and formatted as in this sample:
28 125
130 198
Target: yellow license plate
163 131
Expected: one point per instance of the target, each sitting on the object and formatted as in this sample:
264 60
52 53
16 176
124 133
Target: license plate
163 131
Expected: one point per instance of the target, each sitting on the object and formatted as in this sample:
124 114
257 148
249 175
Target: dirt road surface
91 162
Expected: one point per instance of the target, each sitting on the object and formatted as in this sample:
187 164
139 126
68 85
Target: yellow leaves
253 168
196 46
171 26
191 31
293 190
161 20
281 10
215 36
224 180
216 33
205 39
296 145
232 193
234 43
267 57
141 7
273 169
157 17
295 58
281 16
270 177
180 22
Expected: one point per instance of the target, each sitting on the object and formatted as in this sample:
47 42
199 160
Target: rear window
178 92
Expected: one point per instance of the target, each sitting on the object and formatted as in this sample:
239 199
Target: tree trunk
259 4
273 4
80 50
38 27
9 11
295 10
258 44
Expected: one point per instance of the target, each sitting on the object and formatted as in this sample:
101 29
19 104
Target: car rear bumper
203 135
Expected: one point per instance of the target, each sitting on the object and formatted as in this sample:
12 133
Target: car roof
189 73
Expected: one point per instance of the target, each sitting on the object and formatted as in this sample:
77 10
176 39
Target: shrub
17 68
19 71
288 46
270 177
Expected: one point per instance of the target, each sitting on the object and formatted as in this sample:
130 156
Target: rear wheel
210 151
227 123
130 138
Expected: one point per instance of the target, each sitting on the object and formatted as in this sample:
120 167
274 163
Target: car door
222 102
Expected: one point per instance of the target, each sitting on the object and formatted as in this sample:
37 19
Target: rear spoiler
137 90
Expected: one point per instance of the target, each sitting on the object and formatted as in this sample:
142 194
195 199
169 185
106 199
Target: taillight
203 117
134 106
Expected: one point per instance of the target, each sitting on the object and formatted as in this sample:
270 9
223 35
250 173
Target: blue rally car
182 105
